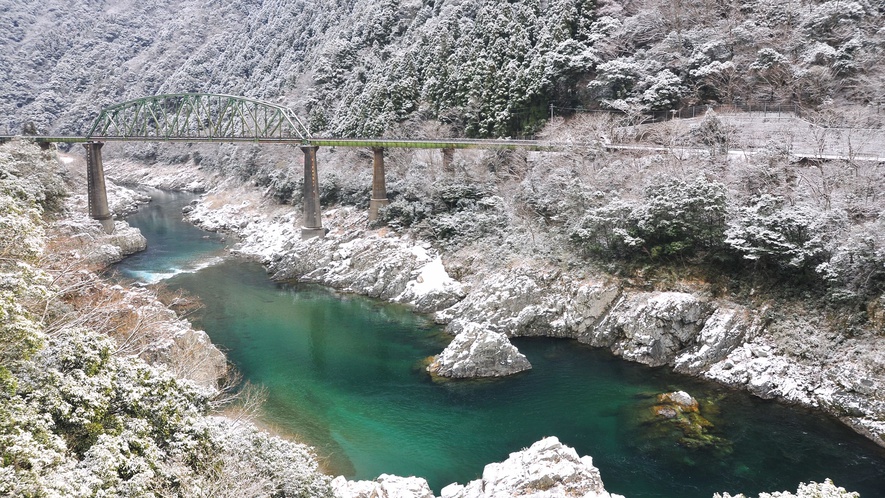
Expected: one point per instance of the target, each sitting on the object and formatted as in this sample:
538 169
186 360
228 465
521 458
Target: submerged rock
681 400
546 469
675 417
479 352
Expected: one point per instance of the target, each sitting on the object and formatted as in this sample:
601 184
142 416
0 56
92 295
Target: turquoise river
343 373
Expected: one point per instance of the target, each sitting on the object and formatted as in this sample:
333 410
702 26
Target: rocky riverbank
797 357
161 338
739 345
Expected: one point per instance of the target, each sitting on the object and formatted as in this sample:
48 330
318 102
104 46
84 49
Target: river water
344 374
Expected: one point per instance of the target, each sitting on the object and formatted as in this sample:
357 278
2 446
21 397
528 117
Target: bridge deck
321 142
444 144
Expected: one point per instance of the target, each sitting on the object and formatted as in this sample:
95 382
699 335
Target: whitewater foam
146 277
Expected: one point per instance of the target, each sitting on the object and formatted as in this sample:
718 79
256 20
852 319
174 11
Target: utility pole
551 111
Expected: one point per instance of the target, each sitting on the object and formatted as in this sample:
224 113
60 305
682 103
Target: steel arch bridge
198 117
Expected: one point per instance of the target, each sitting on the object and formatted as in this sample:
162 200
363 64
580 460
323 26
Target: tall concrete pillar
98 195
313 221
448 156
379 188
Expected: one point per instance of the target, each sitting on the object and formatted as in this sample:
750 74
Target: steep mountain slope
482 67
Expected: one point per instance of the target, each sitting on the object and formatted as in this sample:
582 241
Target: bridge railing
198 115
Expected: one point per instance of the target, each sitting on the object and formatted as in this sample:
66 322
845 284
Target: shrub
774 234
680 218
856 269
456 195
676 218
608 231
405 213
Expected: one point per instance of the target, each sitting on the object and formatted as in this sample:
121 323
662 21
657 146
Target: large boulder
547 469
479 352
84 239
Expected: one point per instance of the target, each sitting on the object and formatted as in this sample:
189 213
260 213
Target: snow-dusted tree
789 238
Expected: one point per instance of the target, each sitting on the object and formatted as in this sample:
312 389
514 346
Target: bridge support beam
98 195
313 221
379 188
448 156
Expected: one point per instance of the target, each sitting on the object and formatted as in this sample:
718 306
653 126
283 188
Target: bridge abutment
95 185
313 222
379 187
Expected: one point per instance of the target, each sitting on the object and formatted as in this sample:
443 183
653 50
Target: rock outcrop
479 352
528 302
385 486
546 469
375 263
85 239
825 489
727 328
651 327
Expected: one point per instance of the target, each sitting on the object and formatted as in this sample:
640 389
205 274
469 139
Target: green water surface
344 373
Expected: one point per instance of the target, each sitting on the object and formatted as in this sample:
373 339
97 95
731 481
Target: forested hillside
481 67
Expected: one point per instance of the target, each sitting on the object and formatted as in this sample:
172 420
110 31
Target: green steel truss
199 116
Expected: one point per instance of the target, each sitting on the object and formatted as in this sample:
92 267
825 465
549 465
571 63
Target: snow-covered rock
651 327
727 328
479 352
825 489
385 486
530 302
546 469
374 263
432 288
86 240
123 200
188 177
764 371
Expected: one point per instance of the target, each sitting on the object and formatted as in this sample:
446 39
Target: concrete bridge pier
313 221
98 195
448 155
379 188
